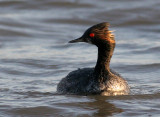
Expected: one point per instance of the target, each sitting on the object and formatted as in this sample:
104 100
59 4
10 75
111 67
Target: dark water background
35 56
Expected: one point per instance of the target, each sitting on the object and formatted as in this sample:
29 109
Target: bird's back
75 82
82 81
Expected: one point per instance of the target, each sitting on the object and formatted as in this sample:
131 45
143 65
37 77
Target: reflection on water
35 56
92 106
103 107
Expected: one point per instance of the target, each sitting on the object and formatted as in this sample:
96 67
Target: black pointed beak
77 40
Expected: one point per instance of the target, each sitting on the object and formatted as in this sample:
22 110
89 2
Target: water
35 56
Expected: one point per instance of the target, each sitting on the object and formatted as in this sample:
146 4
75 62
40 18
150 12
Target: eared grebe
101 79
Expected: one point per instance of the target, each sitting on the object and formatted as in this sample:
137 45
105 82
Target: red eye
91 35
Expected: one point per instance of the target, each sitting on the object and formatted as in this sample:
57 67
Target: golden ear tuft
110 36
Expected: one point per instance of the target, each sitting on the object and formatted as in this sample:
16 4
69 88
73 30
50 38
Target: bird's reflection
101 106
95 106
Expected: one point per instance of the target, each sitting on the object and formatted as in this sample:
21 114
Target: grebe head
99 35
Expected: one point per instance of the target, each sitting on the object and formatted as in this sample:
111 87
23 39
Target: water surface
35 56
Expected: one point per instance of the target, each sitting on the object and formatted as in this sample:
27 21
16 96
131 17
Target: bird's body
82 81
99 80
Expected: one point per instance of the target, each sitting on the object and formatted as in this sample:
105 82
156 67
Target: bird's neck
103 62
